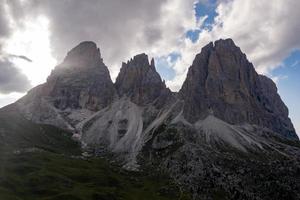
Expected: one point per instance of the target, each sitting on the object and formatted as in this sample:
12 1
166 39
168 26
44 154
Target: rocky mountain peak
85 54
140 60
222 79
139 80
82 80
225 43
80 84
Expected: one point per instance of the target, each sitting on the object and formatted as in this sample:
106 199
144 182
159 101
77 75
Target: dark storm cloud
11 79
121 28
117 26
20 57
4 28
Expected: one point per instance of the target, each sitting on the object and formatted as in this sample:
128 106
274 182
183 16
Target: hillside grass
41 162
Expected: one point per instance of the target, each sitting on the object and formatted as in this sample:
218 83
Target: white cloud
122 28
31 40
276 79
9 98
266 31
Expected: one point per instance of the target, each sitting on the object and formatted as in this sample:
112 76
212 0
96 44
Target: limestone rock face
221 80
139 80
80 82
277 112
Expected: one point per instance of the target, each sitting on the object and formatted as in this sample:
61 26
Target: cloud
295 64
122 28
11 79
4 28
20 57
266 32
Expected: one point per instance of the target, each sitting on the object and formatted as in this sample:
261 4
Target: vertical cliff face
221 80
75 89
139 80
276 112
81 81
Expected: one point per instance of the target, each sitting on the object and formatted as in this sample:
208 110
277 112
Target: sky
36 35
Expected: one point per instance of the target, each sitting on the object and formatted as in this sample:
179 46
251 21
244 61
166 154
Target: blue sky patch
193 35
163 65
207 10
289 84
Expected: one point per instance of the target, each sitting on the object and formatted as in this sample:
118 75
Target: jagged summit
228 43
221 78
82 80
76 88
141 60
139 80
85 54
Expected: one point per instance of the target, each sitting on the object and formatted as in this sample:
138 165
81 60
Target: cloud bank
11 79
122 28
265 31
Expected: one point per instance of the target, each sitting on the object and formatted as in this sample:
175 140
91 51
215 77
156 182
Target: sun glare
32 40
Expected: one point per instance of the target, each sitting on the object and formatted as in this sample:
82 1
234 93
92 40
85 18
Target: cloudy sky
35 36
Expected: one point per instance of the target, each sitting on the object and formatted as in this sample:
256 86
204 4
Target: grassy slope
41 162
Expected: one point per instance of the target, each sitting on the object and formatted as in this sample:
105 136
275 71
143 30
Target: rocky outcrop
139 80
81 82
222 80
275 109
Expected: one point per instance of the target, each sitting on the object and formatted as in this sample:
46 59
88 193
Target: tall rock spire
222 79
139 80
86 54
80 82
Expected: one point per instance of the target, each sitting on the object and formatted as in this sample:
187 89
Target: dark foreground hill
43 162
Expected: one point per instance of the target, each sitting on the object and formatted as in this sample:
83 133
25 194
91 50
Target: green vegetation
46 175
42 162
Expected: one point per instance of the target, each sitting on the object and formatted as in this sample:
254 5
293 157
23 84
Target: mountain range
225 134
